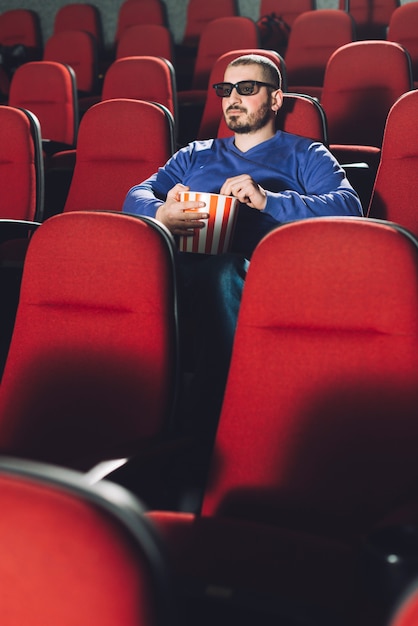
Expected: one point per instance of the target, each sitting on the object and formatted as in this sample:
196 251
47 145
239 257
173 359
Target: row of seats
350 117
333 27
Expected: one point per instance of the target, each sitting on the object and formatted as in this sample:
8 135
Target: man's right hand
181 218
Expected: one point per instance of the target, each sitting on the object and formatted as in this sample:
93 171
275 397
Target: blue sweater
301 177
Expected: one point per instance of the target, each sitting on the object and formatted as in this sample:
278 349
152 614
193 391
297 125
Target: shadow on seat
91 373
317 436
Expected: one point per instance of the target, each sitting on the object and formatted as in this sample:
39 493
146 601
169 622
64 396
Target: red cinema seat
318 434
91 373
82 555
394 195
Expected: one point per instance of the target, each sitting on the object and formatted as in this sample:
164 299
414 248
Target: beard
249 123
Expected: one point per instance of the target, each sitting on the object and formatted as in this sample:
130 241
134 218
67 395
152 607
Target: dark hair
271 72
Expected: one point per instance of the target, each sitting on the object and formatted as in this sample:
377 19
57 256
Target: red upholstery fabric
78 49
142 78
314 36
199 14
289 11
219 36
300 114
371 17
318 434
91 371
120 142
21 171
362 81
22 26
48 89
394 194
212 112
318 429
80 16
406 614
132 12
403 28
146 40
76 555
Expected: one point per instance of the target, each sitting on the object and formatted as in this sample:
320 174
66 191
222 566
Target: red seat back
362 81
394 194
403 28
146 40
78 49
142 78
145 12
48 89
220 36
199 14
91 372
21 165
318 428
49 511
120 142
80 16
315 35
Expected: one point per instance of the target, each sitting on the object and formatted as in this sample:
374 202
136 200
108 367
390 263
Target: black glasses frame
243 87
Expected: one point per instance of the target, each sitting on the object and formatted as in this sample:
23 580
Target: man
277 177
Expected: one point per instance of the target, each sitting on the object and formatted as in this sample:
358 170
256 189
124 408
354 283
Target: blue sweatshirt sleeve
326 190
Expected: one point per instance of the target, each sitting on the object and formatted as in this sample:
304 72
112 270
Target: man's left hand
246 190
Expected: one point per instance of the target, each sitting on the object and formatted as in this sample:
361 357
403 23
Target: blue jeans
210 289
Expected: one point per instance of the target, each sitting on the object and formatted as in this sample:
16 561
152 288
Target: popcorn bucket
216 236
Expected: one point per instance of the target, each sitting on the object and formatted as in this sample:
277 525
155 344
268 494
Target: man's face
246 114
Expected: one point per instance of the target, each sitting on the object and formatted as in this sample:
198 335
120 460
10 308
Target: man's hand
246 190
181 218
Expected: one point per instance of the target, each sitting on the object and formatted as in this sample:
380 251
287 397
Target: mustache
234 107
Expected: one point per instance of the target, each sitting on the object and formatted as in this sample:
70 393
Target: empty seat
200 14
48 89
146 40
91 373
394 195
362 81
315 35
120 142
403 29
21 206
78 49
21 165
132 12
318 434
219 36
80 16
81 555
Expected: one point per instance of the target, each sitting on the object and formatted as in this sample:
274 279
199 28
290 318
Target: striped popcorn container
216 236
